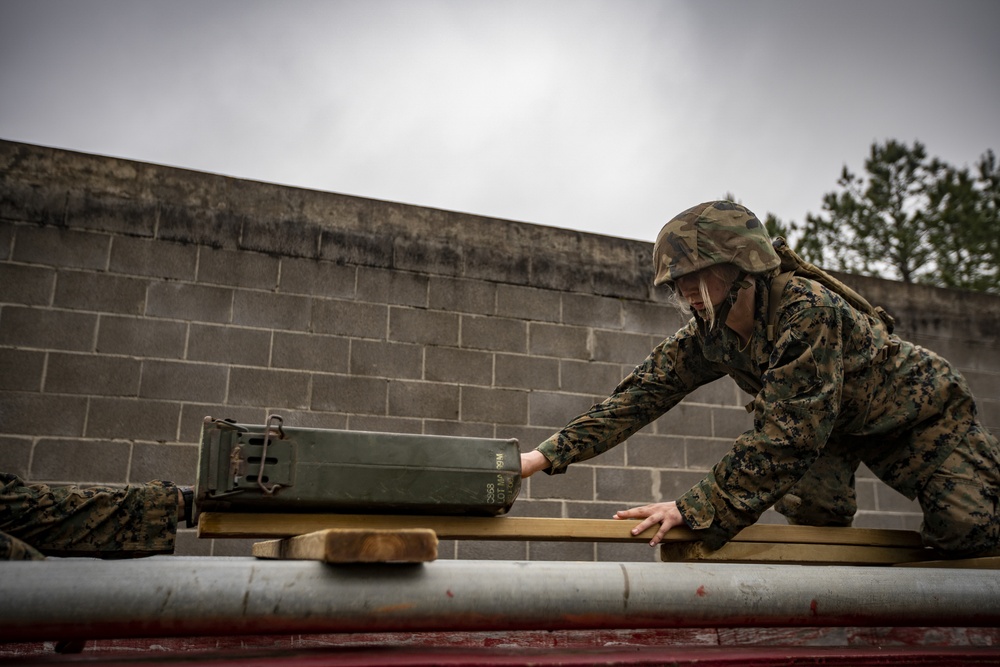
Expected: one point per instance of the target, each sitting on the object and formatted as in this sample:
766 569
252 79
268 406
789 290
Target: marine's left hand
665 514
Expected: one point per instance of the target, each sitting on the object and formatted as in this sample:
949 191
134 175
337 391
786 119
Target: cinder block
888 499
109 210
382 424
198 225
449 364
153 258
359 246
527 303
655 451
675 483
426 400
560 551
730 422
721 392
494 333
132 419
350 394
271 311
6 233
390 360
237 269
427 255
652 318
462 296
81 461
316 278
627 552
458 429
577 483
268 388
499 406
349 318
325 354
430 327
81 290
173 463
21 370
496 264
557 340
686 419
621 347
627 485
15 456
523 372
27 285
42 414
61 247
188 543
589 377
92 375
491 550
866 492
184 381
47 329
140 337
556 409
586 310
704 453
525 506
184 301
285 237
229 345
392 287
528 437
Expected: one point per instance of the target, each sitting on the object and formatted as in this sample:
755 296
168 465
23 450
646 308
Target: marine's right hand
532 462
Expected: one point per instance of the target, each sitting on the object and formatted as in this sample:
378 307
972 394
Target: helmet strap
727 305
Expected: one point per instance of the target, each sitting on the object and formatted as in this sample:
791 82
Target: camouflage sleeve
670 372
794 415
100 521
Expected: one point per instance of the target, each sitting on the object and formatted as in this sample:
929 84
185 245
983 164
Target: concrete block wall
135 299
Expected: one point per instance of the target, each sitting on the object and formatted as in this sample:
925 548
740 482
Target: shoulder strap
773 297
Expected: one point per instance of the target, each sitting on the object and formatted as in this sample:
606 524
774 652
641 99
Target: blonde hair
725 272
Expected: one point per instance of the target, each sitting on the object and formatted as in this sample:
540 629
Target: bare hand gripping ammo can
277 468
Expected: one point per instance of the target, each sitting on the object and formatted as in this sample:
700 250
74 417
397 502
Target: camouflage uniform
38 520
838 389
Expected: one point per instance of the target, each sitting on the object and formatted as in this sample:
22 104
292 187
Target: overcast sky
602 116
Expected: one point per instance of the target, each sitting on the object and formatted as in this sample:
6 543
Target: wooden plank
799 554
335 545
985 563
238 525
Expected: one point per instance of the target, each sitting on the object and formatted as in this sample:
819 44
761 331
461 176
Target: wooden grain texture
985 563
793 553
237 525
346 545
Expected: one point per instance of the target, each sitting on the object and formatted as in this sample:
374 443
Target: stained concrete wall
135 299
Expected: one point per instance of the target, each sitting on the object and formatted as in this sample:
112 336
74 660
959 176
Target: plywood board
238 525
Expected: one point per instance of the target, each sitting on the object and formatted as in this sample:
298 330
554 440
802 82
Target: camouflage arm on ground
794 416
671 371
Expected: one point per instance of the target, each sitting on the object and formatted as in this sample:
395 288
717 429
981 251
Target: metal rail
176 596
172 596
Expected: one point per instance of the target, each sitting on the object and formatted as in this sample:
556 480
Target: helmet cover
716 232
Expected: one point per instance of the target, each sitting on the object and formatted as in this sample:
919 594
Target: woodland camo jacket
832 374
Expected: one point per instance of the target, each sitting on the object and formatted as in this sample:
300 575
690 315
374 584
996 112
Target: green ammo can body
274 468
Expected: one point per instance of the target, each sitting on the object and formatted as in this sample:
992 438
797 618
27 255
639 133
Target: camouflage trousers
102 521
960 501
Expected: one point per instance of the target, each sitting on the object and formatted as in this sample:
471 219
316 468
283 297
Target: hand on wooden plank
665 514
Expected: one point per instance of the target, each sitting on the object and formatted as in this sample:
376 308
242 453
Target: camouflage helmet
716 232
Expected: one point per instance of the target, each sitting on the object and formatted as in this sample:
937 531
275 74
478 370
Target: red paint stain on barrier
449 593
701 592
814 608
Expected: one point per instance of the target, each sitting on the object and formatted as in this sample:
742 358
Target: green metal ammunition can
277 468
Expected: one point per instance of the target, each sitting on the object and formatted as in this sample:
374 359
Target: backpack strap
778 284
